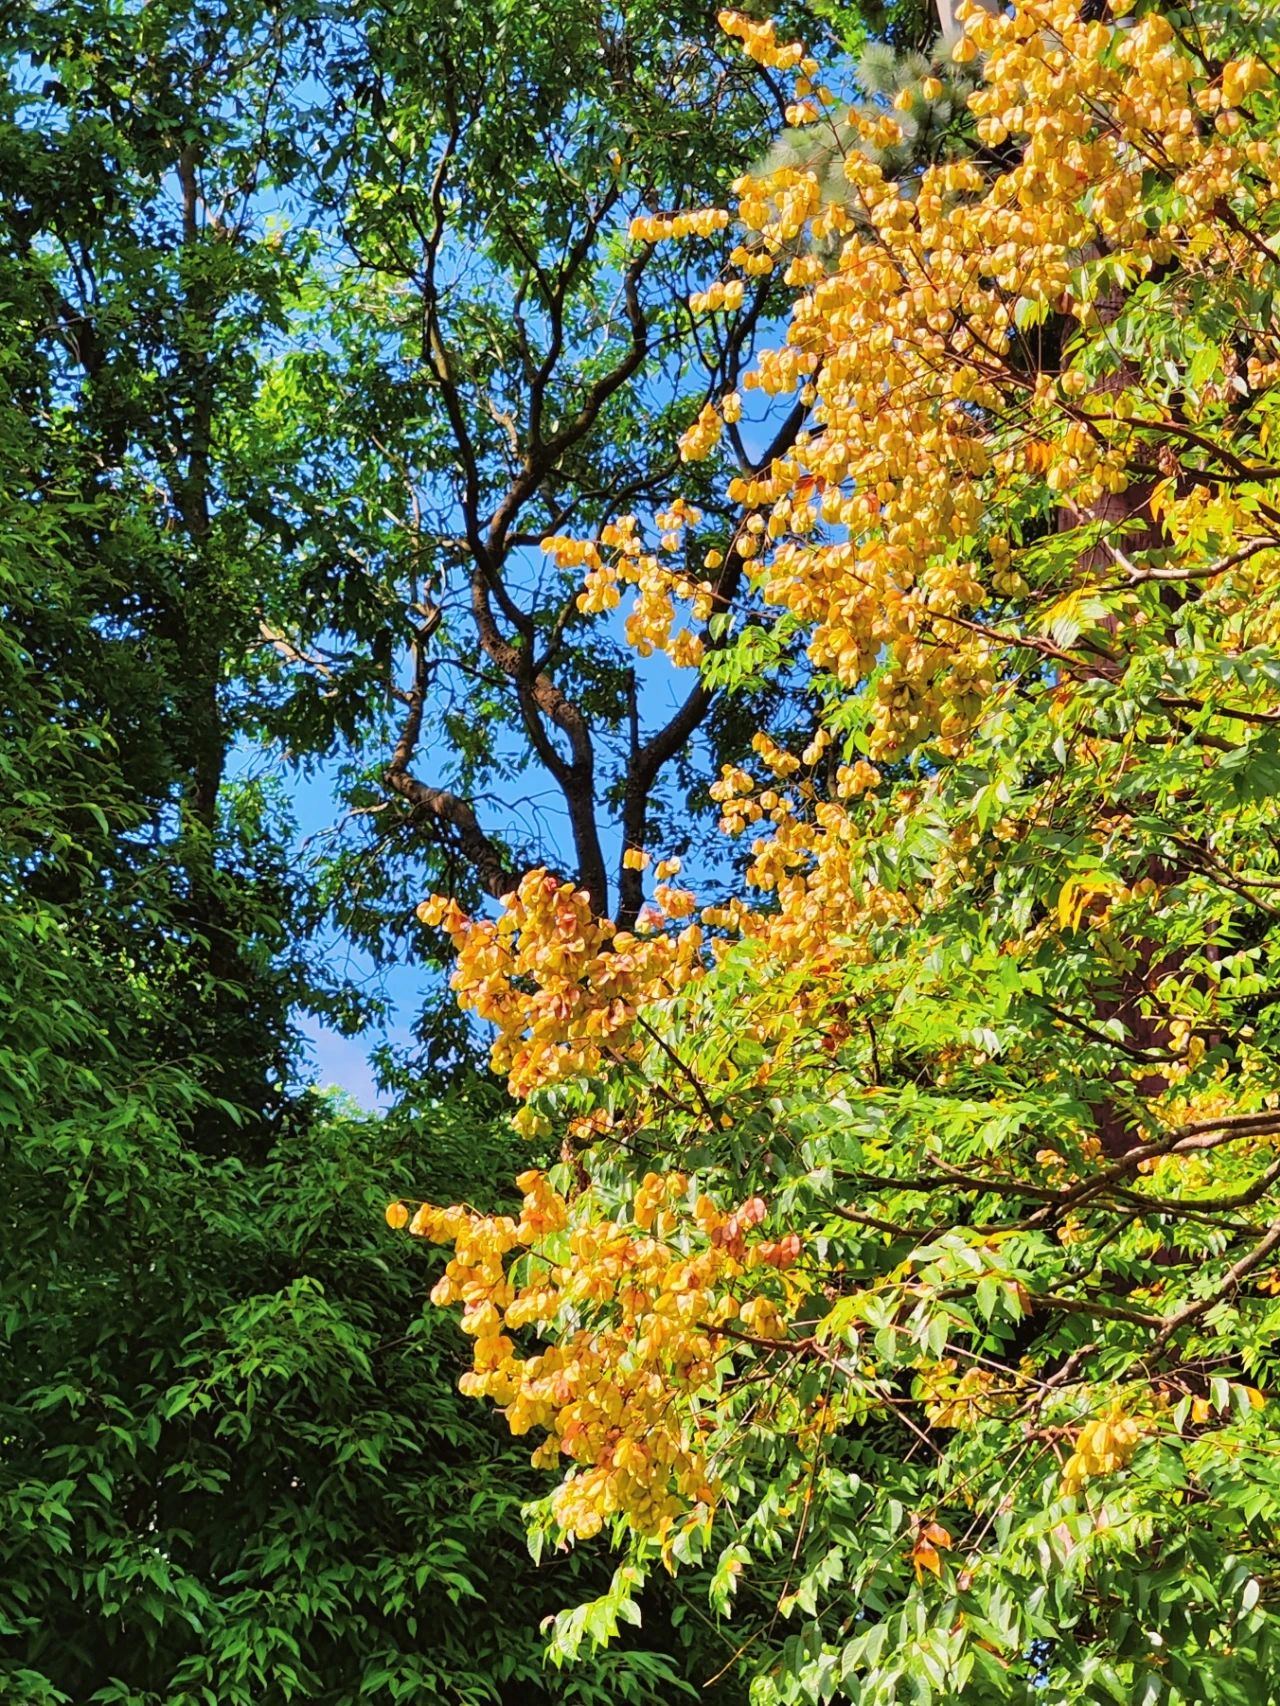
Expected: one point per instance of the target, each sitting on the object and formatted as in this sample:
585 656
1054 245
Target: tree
493 369
912 1256
369 351
134 147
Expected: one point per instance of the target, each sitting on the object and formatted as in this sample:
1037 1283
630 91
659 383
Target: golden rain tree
915 1246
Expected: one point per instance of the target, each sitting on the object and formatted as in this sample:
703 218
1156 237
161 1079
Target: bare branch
291 652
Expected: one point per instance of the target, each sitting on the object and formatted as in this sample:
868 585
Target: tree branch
449 815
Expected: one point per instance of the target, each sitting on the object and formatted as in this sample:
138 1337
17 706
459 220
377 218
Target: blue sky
342 1063
336 1061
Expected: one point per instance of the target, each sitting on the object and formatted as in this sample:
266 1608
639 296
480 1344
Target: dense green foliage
233 1463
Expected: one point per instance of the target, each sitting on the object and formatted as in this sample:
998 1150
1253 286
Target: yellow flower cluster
661 227
699 440
906 345
760 41
1242 78
954 1400
651 623
1102 1446
642 1313
726 294
560 985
